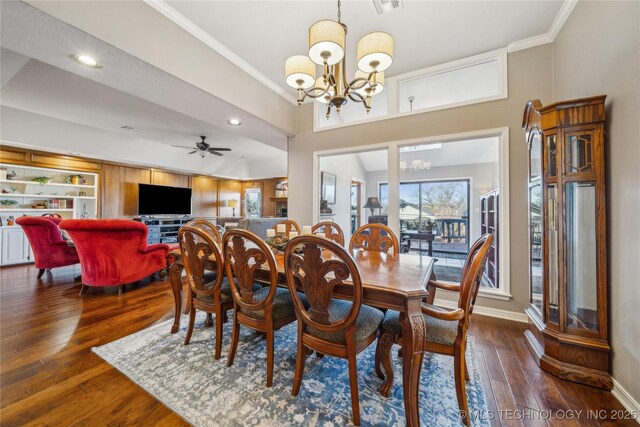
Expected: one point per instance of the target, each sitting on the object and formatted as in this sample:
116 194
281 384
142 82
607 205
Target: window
253 202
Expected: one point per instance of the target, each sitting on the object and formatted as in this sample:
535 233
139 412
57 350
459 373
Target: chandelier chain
339 14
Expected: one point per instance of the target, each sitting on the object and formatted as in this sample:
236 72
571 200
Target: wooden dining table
389 282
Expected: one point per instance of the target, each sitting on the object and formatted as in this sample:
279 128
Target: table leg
175 278
413 333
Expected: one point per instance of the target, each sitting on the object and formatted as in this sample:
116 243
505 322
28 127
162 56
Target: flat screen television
163 200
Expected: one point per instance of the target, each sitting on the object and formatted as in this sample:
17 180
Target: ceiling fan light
326 41
300 72
379 83
375 52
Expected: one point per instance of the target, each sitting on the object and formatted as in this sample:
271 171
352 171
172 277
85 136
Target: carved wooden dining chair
446 330
209 289
266 309
329 230
374 237
334 327
289 225
208 228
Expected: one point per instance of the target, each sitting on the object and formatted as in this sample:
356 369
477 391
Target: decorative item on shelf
372 203
8 202
233 204
82 193
85 213
5 191
67 179
324 208
11 175
39 204
282 185
42 180
328 187
327 45
10 221
3 174
0 221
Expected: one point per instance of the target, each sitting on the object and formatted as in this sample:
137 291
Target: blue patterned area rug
205 392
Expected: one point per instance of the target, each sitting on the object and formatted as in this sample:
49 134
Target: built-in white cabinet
27 190
15 247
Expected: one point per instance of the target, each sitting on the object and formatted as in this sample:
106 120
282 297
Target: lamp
327 48
233 204
372 203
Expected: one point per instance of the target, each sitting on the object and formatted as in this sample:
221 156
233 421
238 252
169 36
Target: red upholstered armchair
114 251
49 248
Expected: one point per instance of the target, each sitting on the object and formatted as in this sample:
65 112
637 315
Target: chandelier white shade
375 52
327 42
327 48
300 71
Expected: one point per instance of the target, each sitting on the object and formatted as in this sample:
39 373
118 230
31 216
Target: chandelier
327 47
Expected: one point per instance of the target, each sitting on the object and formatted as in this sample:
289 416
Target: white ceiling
163 109
483 150
426 33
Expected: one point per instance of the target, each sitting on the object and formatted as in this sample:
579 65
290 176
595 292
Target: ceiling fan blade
220 149
215 152
182 146
194 151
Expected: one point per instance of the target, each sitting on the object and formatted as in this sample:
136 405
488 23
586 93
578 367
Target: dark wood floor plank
50 377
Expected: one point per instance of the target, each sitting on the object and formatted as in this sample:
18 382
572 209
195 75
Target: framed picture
282 187
328 187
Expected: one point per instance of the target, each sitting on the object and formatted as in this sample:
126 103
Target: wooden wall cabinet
489 220
567 313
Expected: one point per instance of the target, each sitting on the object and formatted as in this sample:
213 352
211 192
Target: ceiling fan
202 148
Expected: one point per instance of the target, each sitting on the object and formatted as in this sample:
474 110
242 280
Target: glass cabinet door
552 252
582 262
535 244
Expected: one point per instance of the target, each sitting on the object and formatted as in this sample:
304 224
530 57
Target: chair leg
353 377
459 368
270 345
218 331
208 322
235 335
378 358
466 368
120 290
192 321
386 342
83 289
41 272
301 355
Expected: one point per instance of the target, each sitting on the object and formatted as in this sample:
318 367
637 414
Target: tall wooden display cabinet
567 240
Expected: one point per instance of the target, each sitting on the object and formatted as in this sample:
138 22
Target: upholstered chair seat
282 304
438 331
225 288
368 320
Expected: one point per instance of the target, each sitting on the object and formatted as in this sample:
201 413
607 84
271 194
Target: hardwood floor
49 376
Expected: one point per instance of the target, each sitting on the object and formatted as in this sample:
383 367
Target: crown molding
184 23
549 36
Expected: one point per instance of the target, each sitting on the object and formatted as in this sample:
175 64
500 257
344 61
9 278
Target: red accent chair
114 251
49 248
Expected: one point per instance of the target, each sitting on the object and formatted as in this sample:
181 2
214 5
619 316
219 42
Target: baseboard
623 396
487 311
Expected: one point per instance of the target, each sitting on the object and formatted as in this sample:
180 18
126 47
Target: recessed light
86 61
234 122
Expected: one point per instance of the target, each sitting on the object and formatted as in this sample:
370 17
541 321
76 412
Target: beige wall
598 52
529 72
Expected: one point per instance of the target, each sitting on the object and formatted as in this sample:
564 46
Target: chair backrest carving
208 228
374 237
472 274
321 265
198 250
329 230
245 254
289 225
